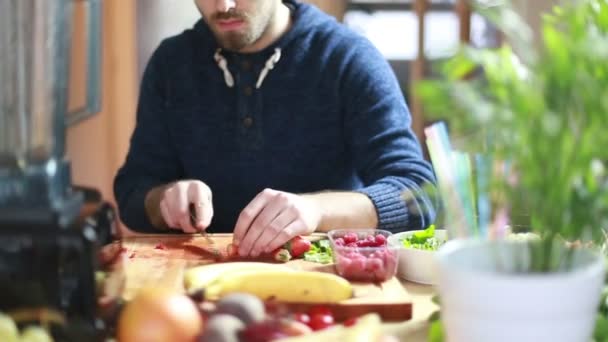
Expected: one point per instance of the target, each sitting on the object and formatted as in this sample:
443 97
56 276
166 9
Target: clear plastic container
371 259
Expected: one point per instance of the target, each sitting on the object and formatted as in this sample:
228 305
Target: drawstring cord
270 63
223 65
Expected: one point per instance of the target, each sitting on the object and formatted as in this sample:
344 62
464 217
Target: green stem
535 256
569 258
548 252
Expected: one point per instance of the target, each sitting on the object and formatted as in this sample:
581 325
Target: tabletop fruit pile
165 315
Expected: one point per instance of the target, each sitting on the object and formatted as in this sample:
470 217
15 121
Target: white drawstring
223 65
270 63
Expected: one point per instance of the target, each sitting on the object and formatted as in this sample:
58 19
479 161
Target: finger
201 222
259 226
197 213
169 203
272 230
207 217
181 209
185 223
249 214
200 197
294 229
172 199
164 211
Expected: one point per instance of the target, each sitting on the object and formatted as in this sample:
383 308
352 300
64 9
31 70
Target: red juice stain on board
160 246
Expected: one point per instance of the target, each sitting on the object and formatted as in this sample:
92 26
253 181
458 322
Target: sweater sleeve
385 150
151 160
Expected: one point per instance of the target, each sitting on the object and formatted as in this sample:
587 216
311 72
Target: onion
159 315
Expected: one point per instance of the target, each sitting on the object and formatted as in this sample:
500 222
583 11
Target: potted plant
543 113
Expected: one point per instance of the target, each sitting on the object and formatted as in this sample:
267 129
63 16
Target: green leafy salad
424 240
320 252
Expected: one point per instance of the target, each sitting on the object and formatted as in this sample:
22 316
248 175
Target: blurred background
411 34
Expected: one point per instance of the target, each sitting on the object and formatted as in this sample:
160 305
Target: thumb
201 214
205 220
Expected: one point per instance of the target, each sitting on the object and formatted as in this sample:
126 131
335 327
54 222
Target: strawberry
297 246
232 250
350 238
281 255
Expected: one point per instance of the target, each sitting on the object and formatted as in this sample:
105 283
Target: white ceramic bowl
416 265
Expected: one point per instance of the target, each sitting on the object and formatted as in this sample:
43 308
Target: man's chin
233 43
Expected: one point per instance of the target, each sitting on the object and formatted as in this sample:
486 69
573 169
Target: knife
193 220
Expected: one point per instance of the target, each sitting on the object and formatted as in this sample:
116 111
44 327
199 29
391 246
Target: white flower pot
480 303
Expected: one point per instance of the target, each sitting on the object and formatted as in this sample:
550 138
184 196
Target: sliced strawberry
297 246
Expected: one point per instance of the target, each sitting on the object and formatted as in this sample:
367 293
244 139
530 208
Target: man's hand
174 201
273 218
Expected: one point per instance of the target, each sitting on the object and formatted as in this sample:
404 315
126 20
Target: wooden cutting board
161 260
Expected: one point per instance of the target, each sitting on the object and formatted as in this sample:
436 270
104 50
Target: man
271 120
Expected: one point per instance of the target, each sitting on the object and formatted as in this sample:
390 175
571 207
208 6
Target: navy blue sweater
328 116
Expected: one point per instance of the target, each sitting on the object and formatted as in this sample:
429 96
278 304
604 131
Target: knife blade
193 220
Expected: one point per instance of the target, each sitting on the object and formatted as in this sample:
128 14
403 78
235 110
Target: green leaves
421 237
515 29
544 110
461 65
600 12
320 252
601 324
436 332
424 240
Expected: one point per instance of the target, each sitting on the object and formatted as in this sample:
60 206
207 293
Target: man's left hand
273 218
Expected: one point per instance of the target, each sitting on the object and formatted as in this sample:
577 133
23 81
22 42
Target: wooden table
173 266
415 330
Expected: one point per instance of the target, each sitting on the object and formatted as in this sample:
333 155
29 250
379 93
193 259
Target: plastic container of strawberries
364 255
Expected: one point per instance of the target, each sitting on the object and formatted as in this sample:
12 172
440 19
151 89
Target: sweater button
248 122
248 91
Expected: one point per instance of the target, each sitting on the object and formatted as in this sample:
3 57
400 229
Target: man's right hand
174 202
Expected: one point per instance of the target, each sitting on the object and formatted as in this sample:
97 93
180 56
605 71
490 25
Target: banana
8 329
199 277
294 286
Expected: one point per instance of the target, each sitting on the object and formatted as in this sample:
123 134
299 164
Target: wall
97 146
158 19
333 7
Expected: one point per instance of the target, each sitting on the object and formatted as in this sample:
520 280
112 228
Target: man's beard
237 40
